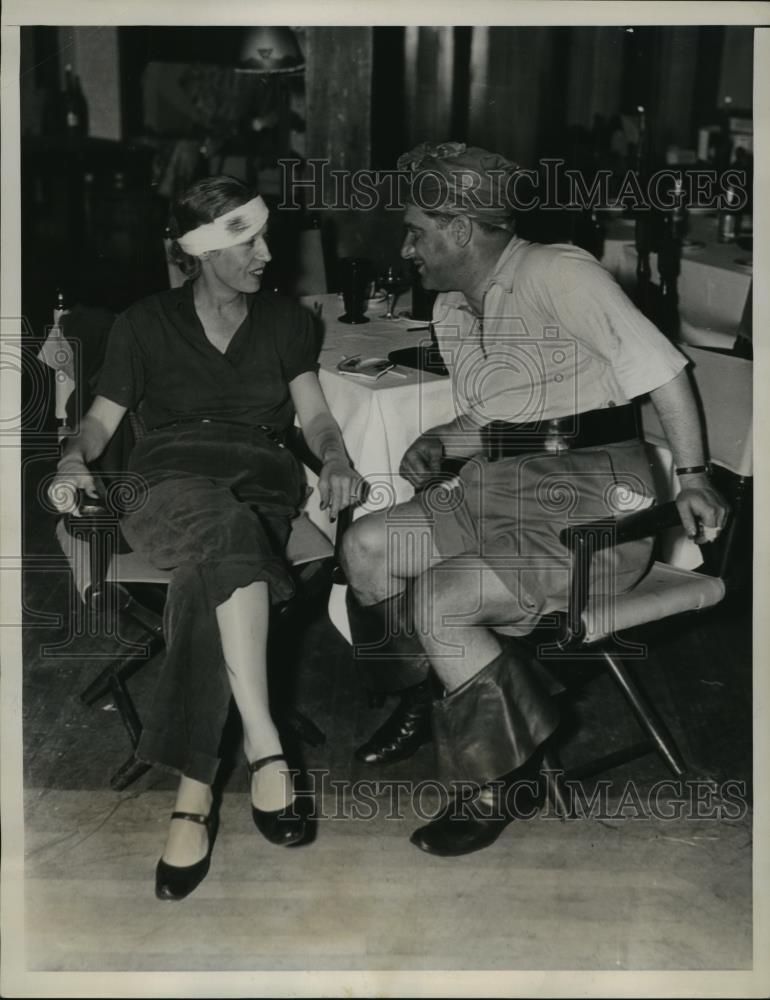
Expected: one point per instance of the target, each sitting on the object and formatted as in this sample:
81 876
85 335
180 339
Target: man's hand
339 485
703 509
422 459
71 475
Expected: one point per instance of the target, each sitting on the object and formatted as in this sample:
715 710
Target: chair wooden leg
126 710
554 775
99 686
662 739
128 773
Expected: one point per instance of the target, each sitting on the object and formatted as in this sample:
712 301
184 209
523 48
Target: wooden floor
632 892
550 895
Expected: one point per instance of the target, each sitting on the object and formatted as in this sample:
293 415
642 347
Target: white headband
230 229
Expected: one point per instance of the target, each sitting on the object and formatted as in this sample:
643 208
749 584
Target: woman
216 373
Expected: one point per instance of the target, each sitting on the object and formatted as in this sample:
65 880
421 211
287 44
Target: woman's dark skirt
217 509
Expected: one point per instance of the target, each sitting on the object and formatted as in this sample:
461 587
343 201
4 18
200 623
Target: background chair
114 582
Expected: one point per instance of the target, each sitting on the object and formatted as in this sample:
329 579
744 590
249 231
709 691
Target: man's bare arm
700 505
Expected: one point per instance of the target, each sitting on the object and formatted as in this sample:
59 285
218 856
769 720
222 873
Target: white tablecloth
379 419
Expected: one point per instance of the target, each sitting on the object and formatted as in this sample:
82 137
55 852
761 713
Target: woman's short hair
202 202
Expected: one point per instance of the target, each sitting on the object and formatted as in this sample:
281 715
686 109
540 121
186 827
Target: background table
713 286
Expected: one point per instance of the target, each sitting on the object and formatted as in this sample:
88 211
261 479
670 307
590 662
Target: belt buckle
555 442
272 435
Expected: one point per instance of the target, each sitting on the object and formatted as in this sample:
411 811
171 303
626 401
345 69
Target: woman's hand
71 475
339 485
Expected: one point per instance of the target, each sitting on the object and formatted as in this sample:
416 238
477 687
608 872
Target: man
543 338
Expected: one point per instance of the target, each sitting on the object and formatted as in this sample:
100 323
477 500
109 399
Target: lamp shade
270 50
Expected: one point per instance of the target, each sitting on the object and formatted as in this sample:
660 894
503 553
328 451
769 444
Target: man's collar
503 272
502 275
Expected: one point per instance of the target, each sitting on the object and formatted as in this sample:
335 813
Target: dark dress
219 489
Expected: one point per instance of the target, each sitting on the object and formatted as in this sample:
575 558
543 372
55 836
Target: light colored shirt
558 337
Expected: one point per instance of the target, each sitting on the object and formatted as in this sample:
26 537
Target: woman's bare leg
243 624
188 842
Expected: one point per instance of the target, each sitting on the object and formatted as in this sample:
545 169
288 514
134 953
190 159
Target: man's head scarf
456 179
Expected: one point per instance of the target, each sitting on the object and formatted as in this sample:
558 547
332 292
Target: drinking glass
354 281
391 281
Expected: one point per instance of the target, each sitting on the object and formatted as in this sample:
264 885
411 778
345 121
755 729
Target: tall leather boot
390 659
489 734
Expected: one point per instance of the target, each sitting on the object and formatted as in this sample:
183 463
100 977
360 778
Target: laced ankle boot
404 731
390 659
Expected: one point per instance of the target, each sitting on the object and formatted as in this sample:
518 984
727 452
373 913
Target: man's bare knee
363 548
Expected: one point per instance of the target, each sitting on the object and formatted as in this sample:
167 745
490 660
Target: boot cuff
494 722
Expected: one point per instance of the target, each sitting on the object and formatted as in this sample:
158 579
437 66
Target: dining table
379 418
714 280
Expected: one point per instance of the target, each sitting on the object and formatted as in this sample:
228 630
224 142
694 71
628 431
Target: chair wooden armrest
629 528
298 446
583 540
296 443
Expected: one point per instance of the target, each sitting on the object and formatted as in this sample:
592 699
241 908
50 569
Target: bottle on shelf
61 305
74 105
679 214
729 217
57 353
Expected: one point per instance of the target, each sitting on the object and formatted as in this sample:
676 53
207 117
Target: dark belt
271 433
591 429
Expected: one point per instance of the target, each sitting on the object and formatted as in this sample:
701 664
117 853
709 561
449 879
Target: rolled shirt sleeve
297 349
588 302
122 377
